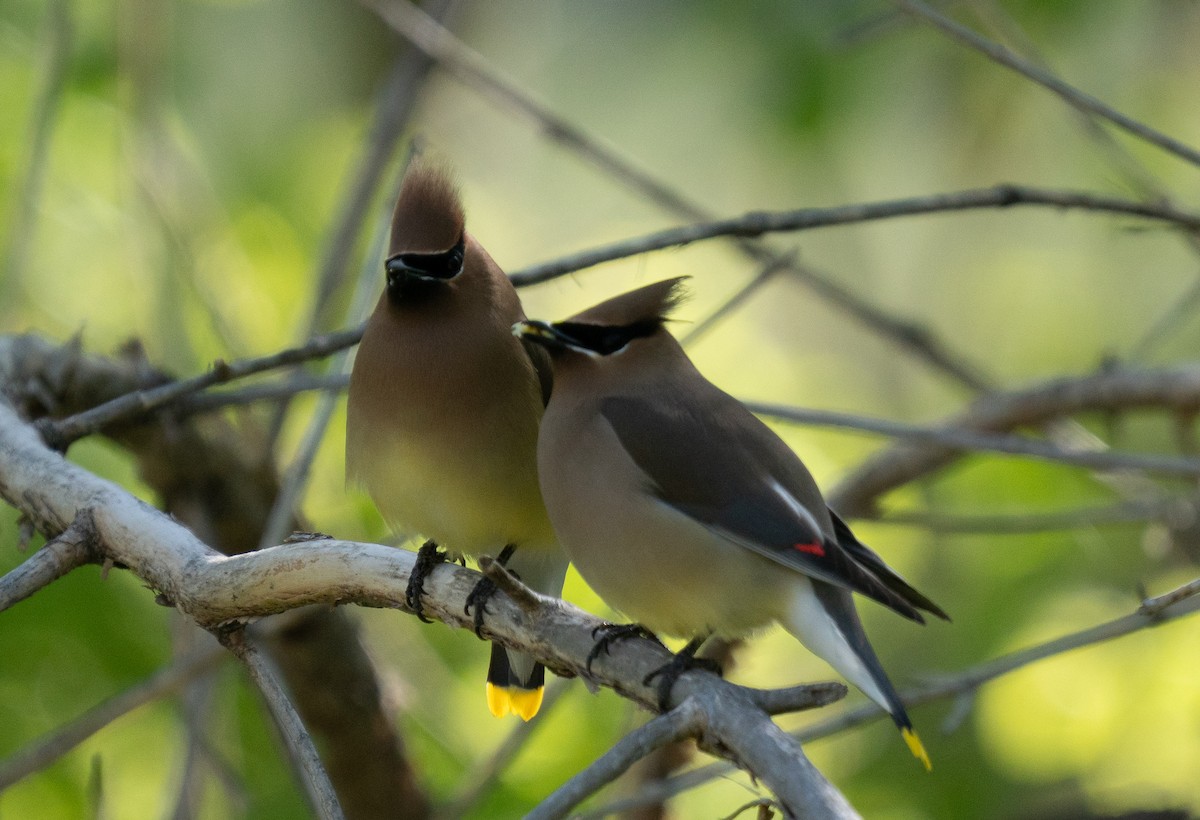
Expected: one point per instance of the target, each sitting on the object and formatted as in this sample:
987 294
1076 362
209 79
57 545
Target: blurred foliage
195 159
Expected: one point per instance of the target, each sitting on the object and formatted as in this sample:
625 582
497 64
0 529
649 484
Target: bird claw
477 599
484 590
681 662
606 635
428 557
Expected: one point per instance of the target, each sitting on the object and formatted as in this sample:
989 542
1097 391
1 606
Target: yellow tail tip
916 747
503 700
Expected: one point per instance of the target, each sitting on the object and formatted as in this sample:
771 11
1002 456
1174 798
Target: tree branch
73 548
1110 391
757 223
1179 603
960 438
212 481
684 721
132 405
167 680
1068 92
303 754
217 590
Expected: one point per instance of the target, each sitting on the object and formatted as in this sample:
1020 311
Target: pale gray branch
218 590
70 550
303 754
961 438
1181 602
1073 96
1176 390
757 223
132 405
170 679
685 720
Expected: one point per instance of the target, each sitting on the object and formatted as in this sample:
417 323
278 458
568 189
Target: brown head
611 327
430 248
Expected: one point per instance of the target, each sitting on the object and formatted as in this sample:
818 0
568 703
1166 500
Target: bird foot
428 557
608 634
684 661
479 595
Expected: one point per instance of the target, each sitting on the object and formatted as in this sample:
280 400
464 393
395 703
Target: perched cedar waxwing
443 413
684 511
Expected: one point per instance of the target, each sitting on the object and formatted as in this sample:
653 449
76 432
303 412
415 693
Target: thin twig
1148 615
72 549
214 400
956 438
135 404
1124 512
479 781
757 223
26 191
1107 391
737 298
168 680
471 68
1068 92
965 439
282 512
303 754
683 721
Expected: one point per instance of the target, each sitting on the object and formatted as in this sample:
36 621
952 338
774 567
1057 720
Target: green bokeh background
198 156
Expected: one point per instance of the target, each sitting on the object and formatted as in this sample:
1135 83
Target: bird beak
539 332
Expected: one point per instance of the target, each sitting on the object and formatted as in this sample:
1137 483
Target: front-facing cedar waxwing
443 413
684 511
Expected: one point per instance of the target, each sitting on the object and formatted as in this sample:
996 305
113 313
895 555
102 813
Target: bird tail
515 683
823 618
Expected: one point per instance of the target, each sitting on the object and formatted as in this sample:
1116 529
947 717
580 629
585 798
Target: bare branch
305 760
217 400
1110 391
471 68
136 404
1072 95
479 781
27 189
757 223
1176 604
467 65
216 485
685 720
70 550
963 438
1124 512
215 589
166 681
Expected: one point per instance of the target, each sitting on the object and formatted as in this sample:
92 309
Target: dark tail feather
839 605
868 558
510 692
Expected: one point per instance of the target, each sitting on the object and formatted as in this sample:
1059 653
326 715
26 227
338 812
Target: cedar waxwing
684 511
442 419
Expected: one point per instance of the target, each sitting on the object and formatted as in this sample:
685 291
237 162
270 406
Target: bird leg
428 557
484 590
685 660
608 634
